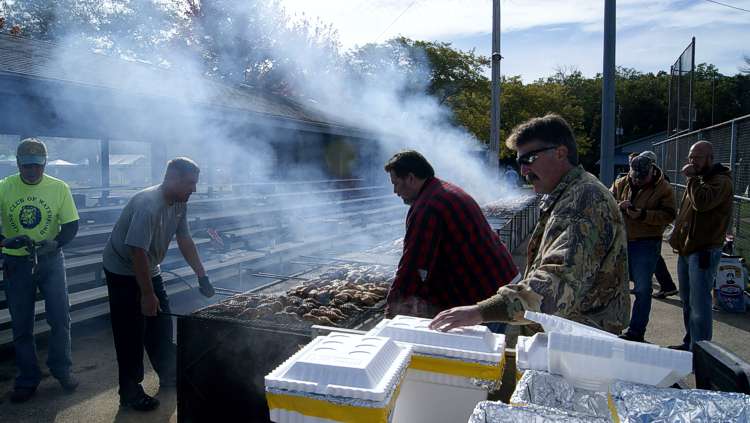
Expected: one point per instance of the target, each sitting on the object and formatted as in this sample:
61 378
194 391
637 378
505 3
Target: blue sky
540 36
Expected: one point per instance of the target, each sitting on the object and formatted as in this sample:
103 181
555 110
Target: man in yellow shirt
37 213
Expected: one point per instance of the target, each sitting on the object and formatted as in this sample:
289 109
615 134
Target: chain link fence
731 141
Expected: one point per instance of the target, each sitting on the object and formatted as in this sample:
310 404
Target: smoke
209 80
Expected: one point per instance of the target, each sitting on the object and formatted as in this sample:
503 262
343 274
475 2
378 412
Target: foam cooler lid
344 365
552 323
471 342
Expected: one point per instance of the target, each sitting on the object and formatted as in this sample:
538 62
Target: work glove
17 242
205 287
47 246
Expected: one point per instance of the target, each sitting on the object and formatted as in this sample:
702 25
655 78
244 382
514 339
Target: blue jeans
696 282
20 292
642 258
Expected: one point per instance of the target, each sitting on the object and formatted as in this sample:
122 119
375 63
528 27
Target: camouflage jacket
577 264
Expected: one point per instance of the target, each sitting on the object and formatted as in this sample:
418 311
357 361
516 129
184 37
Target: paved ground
96 400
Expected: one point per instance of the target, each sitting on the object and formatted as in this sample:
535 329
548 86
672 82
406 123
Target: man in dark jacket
698 236
646 201
451 256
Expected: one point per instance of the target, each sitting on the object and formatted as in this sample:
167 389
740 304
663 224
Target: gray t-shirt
146 222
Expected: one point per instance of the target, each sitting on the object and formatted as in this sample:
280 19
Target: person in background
577 265
137 245
646 200
667 288
511 177
38 218
698 237
451 254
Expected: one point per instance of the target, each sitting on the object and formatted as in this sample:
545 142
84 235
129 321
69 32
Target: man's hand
625 204
17 242
205 287
149 305
456 318
47 246
633 213
689 171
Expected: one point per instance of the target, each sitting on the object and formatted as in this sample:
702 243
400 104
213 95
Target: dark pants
20 294
663 276
132 332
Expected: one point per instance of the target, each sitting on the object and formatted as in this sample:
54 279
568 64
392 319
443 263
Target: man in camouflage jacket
577 265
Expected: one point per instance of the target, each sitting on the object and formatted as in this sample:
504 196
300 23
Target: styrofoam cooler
591 361
338 378
450 372
552 323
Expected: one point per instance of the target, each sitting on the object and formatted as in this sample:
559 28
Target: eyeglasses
529 158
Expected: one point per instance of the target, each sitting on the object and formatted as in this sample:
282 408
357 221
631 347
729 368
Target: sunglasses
529 158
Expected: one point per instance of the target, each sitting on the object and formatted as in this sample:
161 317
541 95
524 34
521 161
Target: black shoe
664 294
140 402
630 337
681 347
68 383
21 394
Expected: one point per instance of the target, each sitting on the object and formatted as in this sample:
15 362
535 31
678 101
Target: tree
522 102
257 43
130 29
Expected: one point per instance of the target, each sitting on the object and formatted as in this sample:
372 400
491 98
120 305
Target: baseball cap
31 151
650 154
641 166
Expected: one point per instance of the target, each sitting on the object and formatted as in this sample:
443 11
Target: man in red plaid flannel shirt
451 255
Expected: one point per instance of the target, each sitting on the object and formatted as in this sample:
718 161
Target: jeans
696 282
132 332
20 292
663 276
642 257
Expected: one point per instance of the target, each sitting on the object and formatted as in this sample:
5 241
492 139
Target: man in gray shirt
136 247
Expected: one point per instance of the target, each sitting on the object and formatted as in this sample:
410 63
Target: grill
222 358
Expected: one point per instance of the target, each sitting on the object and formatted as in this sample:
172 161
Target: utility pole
713 97
607 146
494 150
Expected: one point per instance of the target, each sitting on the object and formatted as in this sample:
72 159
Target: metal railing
515 231
731 144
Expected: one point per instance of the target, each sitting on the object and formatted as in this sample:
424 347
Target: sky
541 36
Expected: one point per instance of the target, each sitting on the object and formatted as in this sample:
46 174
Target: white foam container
593 362
336 369
557 324
436 397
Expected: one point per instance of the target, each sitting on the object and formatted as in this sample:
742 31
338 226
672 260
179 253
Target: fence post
732 166
676 160
733 149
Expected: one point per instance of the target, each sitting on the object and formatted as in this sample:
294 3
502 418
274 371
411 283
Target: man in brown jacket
646 200
698 236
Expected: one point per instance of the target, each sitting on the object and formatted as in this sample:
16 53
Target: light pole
494 150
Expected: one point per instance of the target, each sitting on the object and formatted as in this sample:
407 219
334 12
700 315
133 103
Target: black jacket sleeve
68 231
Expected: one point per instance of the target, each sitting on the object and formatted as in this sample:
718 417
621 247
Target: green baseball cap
31 151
